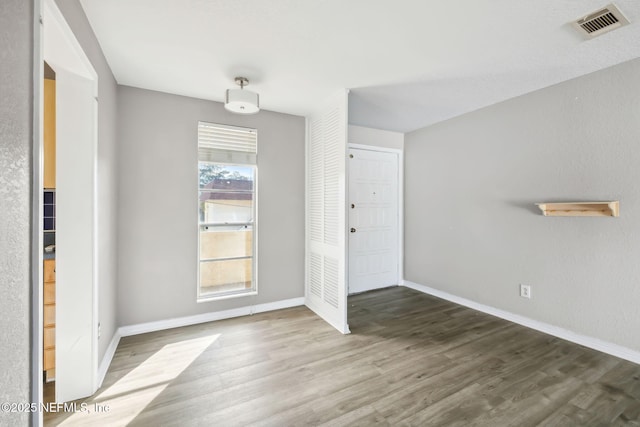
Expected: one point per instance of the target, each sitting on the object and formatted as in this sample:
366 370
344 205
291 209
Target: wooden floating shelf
580 208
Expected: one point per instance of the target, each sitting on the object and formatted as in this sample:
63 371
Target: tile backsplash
49 211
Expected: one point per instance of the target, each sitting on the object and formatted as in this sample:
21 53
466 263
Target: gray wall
472 229
107 177
16 122
157 231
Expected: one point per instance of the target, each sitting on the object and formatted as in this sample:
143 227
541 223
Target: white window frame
215 296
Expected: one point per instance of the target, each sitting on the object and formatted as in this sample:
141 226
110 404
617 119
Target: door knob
353 230
353 206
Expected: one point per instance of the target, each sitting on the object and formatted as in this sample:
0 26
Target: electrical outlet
99 330
525 291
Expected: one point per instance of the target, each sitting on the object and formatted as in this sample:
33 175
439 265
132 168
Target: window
227 158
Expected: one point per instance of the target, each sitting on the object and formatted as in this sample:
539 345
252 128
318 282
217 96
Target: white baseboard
108 357
594 343
160 325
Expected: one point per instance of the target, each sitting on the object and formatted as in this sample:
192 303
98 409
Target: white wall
376 137
157 221
472 228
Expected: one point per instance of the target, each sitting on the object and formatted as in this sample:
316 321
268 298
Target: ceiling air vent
601 21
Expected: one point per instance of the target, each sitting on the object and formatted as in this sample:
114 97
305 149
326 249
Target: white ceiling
408 63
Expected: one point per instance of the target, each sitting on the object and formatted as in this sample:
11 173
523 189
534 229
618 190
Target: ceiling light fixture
242 101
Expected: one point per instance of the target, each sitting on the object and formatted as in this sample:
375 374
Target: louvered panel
325 291
316 186
331 281
315 275
333 164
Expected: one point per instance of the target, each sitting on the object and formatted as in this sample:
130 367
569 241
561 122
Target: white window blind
227 144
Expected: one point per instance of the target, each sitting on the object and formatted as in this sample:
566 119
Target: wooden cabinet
49 133
49 319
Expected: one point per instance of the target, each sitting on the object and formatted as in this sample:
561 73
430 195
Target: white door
76 314
373 219
326 256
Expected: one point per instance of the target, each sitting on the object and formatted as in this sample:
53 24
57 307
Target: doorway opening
66 330
49 233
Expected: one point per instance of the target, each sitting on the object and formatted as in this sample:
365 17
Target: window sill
210 298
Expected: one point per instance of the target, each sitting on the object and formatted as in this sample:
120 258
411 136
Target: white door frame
37 216
55 42
400 154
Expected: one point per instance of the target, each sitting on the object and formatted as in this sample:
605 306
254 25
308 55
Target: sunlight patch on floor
129 396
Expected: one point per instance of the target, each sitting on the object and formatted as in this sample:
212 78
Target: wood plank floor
411 359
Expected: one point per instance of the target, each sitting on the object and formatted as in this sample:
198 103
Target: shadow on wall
527 205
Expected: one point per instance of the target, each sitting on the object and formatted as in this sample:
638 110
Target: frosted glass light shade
242 101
